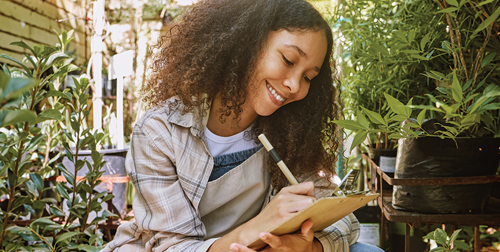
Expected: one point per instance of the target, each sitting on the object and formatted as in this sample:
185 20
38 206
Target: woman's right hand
287 202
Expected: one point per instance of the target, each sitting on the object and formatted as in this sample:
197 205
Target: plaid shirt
169 165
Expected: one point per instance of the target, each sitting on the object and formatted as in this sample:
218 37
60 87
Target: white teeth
276 95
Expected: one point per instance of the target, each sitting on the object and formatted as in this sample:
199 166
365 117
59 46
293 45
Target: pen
277 159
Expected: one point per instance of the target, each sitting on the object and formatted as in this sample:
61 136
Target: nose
293 83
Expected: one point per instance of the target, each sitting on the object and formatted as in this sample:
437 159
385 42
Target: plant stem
452 36
16 168
43 239
480 55
88 207
47 151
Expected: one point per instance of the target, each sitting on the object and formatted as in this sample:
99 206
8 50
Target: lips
278 99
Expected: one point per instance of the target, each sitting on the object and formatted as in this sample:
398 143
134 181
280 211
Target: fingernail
234 248
262 236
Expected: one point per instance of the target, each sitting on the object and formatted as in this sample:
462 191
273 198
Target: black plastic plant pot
387 154
114 166
430 157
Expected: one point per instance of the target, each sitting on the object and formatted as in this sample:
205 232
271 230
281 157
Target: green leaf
448 10
421 117
411 125
62 191
488 59
401 36
411 36
42 222
398 118
420 57
38 204
11 117
65 236
349 124
58 93
453 237
440 236
19 202
452 2
424 41
491 106
467 85
410 51
456 89
374 117
56 211
26 69
108 197
486 22
38 180
23 45
395 105
484 2
53 59
88 248
439 249
379 48
359 138
395 136
461 245
15 86
98 219
362 120
68 134
50 114
471 119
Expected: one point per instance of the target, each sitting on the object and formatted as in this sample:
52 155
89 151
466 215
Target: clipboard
324 212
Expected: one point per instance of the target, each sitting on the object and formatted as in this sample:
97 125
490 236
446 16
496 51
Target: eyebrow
302 54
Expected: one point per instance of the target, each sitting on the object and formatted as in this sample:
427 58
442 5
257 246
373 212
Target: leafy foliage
455 47
37 116
385 46
447 243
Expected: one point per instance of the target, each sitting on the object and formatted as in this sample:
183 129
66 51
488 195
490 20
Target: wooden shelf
414 219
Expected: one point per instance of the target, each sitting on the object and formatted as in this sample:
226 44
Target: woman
228 71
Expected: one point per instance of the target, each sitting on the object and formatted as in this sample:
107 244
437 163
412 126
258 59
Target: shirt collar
194 120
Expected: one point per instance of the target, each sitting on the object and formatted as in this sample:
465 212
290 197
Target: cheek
303 92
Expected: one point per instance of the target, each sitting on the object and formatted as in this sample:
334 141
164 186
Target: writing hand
287 202
301 241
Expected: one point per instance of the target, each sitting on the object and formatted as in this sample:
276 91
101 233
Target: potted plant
384 47
464 104
32 117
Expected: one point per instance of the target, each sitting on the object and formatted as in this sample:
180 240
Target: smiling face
284 69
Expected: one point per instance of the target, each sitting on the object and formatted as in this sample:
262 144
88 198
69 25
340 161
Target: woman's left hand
302 240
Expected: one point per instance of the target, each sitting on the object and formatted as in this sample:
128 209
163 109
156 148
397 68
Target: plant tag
388 164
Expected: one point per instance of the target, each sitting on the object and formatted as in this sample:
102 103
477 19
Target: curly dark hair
212 50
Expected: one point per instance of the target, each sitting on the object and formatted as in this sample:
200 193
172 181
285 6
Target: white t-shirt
218 145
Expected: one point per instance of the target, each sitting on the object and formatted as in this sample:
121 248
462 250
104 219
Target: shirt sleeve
340 235
165 219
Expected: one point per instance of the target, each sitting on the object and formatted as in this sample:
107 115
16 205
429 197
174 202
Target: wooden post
477 239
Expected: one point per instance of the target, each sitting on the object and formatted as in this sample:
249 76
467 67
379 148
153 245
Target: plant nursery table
415 220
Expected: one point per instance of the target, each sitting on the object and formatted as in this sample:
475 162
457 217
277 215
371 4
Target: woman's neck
230 126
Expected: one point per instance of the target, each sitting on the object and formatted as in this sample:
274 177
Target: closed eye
307 79
287 62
